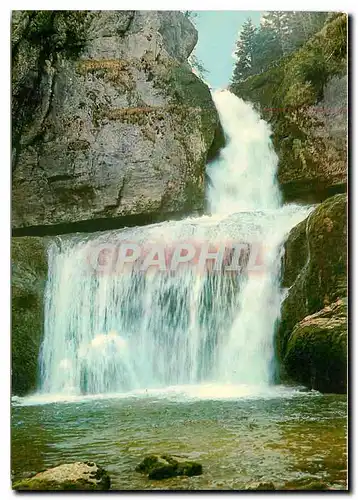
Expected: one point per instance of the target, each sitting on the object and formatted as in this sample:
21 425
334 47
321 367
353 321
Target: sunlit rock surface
109 120
80 476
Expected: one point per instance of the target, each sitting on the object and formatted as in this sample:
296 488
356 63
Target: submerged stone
74 476
165 466
315 485
262 486
110 125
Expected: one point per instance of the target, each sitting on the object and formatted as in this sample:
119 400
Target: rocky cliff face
311 341
304 97
109 122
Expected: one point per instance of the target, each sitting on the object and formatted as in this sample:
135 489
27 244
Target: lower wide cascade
114 327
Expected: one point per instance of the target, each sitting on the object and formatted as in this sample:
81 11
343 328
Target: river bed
283 435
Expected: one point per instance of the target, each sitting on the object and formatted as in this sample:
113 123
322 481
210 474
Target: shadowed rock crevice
101 224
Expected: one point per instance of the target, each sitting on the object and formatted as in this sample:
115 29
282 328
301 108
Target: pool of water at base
286 436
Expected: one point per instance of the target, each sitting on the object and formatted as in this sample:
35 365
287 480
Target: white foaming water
119 332
243 178
175 393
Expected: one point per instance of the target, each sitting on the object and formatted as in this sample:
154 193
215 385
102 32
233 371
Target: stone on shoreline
74 476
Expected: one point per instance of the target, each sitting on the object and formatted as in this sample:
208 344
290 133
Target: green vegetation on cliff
298 79
80 476
279 34
38 39
286 94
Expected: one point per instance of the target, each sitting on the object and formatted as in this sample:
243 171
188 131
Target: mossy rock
315 486
296 254
316 353
316 272
166 466
80 476
116 100
29 272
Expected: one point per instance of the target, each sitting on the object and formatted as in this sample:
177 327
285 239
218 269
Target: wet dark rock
165 466
80 476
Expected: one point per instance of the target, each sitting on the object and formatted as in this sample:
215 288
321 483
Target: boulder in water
315 486
319 344
310 137
79 476
165 466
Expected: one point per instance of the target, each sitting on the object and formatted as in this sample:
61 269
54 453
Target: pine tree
278 22
267 48
244 52
303 25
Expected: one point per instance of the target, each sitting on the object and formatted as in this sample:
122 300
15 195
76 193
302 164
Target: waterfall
114 324
244 177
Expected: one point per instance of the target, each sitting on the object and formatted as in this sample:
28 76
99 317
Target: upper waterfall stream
113 329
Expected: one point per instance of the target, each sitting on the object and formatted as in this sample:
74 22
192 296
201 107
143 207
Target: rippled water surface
288 437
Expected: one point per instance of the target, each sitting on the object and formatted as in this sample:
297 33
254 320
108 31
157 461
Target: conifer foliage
278 34
245 51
